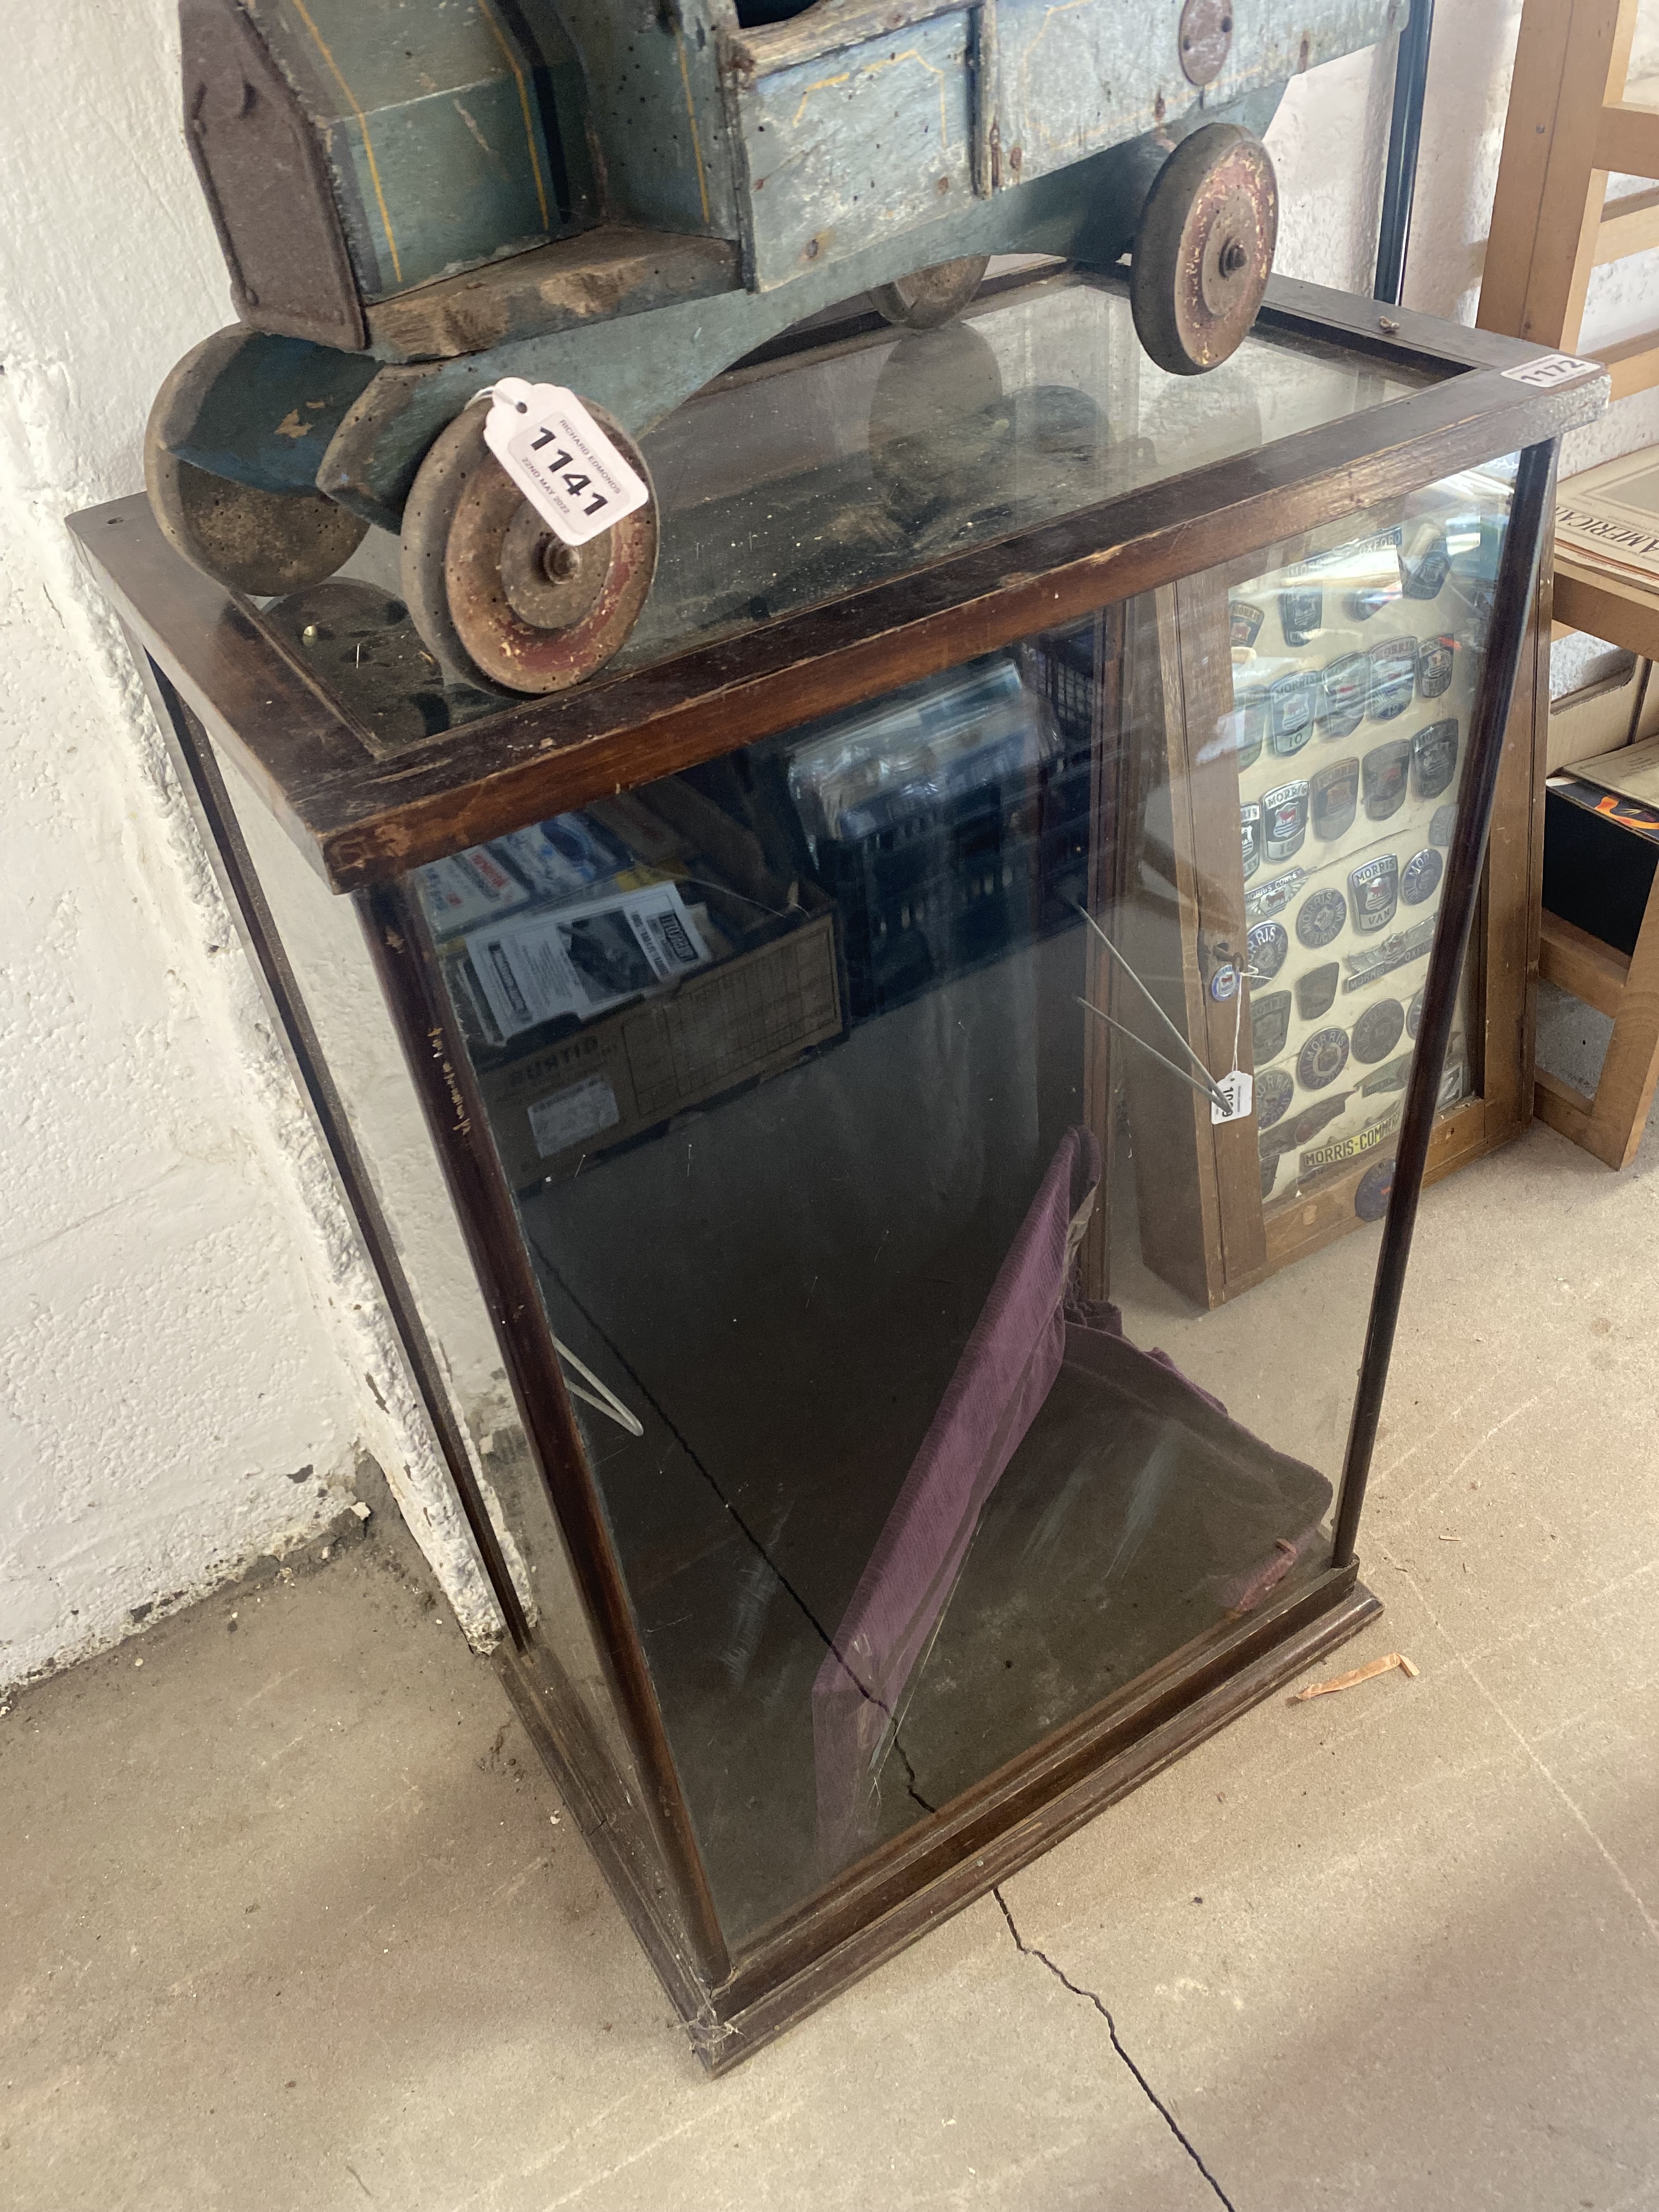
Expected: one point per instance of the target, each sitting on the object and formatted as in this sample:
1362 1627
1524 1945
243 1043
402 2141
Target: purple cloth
1095 1345
1006 1371
1031 1324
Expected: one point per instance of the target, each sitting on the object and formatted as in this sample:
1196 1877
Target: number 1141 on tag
560 458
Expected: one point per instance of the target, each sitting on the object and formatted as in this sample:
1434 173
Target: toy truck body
624 197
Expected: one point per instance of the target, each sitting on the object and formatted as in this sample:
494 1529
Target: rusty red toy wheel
1205 249
495 591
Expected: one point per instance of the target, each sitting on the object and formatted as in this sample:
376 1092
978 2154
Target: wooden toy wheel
495 591
263 542
1205 249
928 297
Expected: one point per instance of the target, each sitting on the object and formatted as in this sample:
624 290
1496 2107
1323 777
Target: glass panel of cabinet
857 1092
892 1118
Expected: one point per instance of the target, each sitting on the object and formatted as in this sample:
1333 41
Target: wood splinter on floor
1389 1659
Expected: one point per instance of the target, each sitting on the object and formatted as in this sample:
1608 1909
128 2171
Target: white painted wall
184 1328
1328 141
183 1325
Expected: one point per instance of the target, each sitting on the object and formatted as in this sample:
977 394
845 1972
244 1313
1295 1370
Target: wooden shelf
1633 364
1621 609
1627 139
1629 226
1580 964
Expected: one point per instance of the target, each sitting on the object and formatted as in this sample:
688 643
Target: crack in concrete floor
1031 1951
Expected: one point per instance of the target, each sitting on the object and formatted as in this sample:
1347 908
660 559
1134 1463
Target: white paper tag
469 888
1238 1089
560 458
1552 369
565 1117
585 959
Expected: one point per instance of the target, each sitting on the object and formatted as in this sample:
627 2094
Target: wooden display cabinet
773 1081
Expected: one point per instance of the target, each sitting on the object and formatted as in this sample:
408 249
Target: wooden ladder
1609 1124
1570 126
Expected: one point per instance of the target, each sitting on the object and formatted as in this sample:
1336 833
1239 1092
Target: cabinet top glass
862 506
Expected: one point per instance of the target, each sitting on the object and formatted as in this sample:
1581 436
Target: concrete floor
291 1917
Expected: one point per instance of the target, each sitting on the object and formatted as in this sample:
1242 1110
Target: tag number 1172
575 483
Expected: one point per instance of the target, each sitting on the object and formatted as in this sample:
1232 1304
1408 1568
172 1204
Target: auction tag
1552 368
560 458
1238 1089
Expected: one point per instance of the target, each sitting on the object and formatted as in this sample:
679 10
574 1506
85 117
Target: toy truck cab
415 197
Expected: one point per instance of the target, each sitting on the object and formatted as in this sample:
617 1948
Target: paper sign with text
1238 1089
1552 369
560 458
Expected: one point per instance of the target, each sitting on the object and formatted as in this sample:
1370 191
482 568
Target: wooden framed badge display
1348 750
841 1101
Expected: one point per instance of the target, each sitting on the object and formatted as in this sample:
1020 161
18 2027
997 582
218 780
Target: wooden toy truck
625 196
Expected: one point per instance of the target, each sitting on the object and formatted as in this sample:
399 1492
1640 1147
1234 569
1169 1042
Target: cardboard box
1598 875
747 1018
1619 709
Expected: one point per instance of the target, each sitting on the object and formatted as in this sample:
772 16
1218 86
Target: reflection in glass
782 488
934 1344
324 947
1370 881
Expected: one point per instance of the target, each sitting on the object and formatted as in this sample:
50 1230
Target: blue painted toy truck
624 196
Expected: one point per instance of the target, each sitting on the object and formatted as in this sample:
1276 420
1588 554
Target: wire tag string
1236 1089
1205 1083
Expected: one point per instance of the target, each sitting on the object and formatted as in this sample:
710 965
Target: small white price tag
1552 368
560 458
1238 1089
